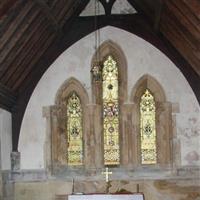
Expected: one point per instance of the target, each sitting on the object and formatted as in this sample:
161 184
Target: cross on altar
107 173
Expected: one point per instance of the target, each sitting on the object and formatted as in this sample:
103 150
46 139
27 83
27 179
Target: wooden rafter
7 98
48 13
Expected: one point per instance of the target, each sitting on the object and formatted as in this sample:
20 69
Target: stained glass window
148 128
110 112
74 130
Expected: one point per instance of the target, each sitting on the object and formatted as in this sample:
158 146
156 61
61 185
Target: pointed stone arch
110 48
147 81
56 116
71 84
163 121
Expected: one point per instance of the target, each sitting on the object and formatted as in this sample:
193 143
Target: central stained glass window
148 128
74 130
111 111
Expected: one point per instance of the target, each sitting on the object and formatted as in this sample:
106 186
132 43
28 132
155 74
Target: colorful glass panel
74 130
148 128
110 112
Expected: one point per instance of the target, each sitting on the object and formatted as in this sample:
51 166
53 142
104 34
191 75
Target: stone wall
5 150
1 183
5 139
184 189
141 58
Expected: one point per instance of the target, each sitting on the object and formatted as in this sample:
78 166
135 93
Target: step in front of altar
136 196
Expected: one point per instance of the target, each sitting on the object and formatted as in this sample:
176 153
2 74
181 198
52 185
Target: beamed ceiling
34 32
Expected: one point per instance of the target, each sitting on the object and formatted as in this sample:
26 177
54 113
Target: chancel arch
110 93
153 112
142 58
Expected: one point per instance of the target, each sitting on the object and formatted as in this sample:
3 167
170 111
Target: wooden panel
5 5
19 65
13 27
181 27
194 6
185 18
11 42
7 98
24 52
14 54
34 57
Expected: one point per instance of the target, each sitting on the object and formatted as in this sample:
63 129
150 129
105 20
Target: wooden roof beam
48 14
151 9
7 98
158 13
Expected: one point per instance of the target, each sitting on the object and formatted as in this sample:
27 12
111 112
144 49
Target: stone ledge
94 175
189 171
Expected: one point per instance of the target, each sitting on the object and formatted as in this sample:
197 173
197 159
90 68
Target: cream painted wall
5 139
142 58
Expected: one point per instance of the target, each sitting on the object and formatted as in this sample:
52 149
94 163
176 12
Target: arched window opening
148 128
74 130
110 87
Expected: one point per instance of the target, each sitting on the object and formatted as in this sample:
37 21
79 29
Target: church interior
99 97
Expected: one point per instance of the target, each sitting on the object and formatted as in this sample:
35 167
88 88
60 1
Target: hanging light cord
97 31
95 28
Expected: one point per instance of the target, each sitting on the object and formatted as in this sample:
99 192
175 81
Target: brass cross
107 173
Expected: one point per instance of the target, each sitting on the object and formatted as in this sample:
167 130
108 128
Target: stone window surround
129 122
164 132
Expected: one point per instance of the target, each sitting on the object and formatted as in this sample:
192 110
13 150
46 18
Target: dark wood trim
7 98
81 27
107 6
158 14
6 6
27 47
46 10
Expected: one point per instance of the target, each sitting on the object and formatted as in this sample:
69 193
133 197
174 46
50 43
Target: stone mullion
123 137
98 133
169 134
48 149
163 122
126 136
89 144
132 147
135 135
175 142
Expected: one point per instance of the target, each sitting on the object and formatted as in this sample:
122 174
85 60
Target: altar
107 195
137 196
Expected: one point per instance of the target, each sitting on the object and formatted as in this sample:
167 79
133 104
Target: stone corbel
15 160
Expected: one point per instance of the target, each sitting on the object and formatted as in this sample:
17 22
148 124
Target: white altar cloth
107 197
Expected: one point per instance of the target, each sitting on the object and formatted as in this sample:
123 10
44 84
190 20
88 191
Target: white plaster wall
122 7
90 9
142 58
5 139
119 7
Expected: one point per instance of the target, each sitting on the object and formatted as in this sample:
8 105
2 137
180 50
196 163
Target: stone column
47 145
15 161
127 135
6 186
164 134
98 131
175 141
89 137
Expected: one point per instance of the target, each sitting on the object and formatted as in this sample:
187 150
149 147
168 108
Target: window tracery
110 112
148 128
74 130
